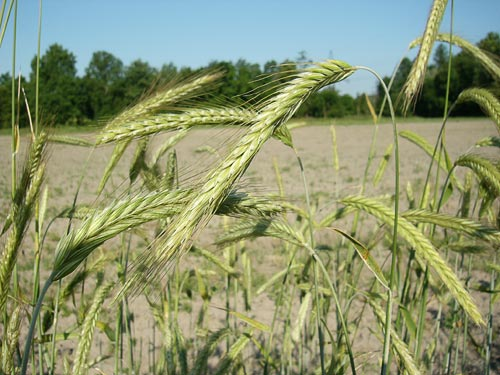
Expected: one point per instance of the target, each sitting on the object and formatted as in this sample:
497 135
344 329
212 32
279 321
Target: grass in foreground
409 275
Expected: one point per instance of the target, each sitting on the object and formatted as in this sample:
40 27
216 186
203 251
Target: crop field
232 282
188 235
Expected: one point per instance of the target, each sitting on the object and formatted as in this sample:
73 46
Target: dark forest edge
108 86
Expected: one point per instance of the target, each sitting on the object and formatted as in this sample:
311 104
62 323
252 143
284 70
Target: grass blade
366 257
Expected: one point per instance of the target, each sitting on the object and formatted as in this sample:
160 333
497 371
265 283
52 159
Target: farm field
250 218
198 297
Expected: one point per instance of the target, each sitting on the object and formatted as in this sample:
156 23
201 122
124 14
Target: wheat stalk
490 64
486 100
211 345
157 123
423 248
399 347
234 351
485 170
459 224
122 215
416 77
221 179
168 96
21 212
10 341
87 331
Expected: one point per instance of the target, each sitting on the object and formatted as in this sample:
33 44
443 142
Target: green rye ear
219 181
416 77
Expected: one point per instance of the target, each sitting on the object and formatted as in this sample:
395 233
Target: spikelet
21 212
383 164
87 333
486 171
147 107
212 258
421 142
68 140
399 347
489 64
423 248
486 100
10 341
99 226
460 224
168 96
229 359
220 180
250 229
301 318
211 345
117 154
416 77
488 142
157 123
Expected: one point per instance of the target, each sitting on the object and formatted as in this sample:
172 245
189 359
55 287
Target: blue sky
373 33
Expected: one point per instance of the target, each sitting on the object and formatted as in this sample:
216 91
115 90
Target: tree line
108 86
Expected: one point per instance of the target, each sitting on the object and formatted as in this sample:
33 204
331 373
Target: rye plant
347 268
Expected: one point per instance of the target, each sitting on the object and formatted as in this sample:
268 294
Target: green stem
15 132
466 320
489 334
421 316
56 321
118 338
37 80
6 21
279 303
448 79
392 281
316 274
337 304
33 321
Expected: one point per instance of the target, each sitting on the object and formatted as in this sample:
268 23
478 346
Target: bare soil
67 165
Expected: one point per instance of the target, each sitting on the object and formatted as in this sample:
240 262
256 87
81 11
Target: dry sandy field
73 168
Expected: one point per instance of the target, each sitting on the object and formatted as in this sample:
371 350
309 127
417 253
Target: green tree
271 67
138 80
60 91
5 100
102 76
491 45
167 73
246 79
227 88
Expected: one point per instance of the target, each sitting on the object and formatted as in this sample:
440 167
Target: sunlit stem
392 281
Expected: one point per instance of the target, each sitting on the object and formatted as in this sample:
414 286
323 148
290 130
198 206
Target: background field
268 256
